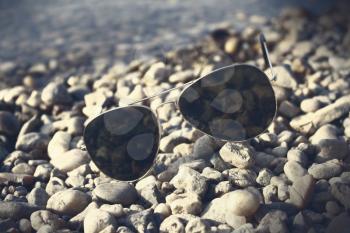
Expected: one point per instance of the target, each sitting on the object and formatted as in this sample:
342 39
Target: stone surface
325 170
237 154
55 93
44 217
16 210
190 180
186 203
301 191
294 170
341 192
116 192
69 202
70 160
285 78
96 220
237 203
38 196
59 144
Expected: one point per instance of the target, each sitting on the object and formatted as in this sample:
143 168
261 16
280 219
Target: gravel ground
293 178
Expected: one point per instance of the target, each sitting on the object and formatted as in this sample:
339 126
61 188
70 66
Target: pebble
284 77
16 210
310 105
32 141
264 177
185 203
341 192
70 160
181 76
55 93
148 190
298 156
273 221
288 109
163 209
116 210
235 203
25 226
197 225
9 125
68 202
140 221
38 197
59 144
212 174
23 168
294 170
241 177
96 220
301 191
331 149
237 154
116 192
325 170
190 180
55 185
156 73
45 217
339 224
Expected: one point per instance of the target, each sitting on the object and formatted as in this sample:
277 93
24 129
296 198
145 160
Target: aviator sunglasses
232 103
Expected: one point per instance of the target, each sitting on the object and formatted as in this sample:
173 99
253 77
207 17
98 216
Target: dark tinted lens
234 103
123 142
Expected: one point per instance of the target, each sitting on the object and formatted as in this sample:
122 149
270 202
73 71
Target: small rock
325 170
284 77
172 224
241 177
116 192
23 168
288 109
69 202
197 225
274 221
331 149
25 226
237 154
294 170
59 144
116 210
301 191
298 156
142 221
341 192
16 210
186 203
70 160
163 209
55 93
181 76
32 141
190 180
38 196
310 105
239 203
45 217
264 177
212 174
156 73
96 220
339 224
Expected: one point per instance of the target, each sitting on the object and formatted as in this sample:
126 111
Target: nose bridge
167 102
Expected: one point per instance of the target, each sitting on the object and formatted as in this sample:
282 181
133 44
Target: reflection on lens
235 103
123 142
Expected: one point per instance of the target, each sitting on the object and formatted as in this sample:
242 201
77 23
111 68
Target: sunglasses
233 103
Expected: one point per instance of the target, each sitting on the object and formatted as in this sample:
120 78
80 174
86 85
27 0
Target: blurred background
57 35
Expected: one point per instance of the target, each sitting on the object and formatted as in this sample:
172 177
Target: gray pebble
294 170
45 217
185 203
9 125
38 196
96 220
55 93
116 192
325 170
238 154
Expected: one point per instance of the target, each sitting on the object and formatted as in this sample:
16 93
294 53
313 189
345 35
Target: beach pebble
197 225
38 196
190 180
331 149
55 93
68 202
16 210
294 170
284 78
264 177
116 192
341 192
185 203
70 160
96 220
325 170
241 177
339 224
301 191
235 203
237 154
45 217
59 144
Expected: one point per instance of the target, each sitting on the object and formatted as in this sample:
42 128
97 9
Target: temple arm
265 52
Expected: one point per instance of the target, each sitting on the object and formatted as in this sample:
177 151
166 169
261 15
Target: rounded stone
55 93
69 202
117 193
237 154
96 220
45 217
71 160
